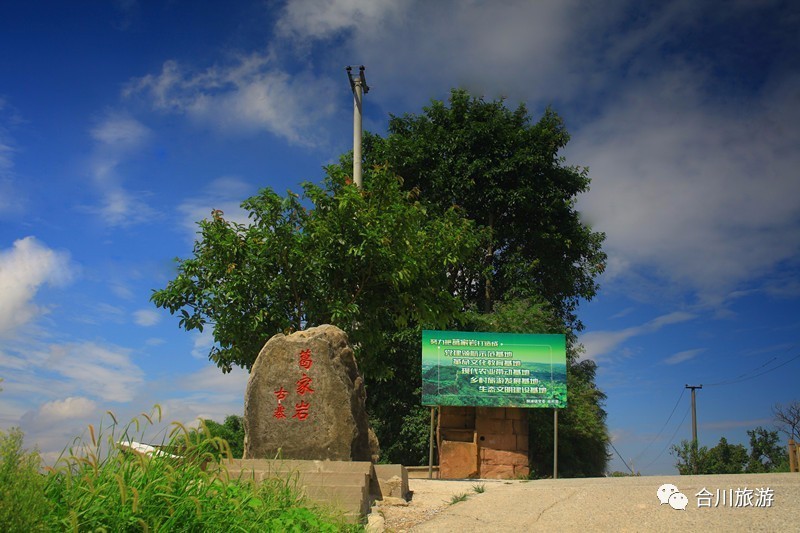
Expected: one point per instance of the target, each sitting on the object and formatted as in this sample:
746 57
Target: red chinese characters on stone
305 359
281 394
304 385
301 410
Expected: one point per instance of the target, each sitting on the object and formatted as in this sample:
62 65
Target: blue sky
122 123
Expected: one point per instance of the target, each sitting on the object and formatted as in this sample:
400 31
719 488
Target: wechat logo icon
668 493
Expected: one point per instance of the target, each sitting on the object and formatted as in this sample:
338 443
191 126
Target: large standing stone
305 400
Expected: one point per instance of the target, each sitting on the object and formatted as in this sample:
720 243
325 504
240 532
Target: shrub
97 486
22 500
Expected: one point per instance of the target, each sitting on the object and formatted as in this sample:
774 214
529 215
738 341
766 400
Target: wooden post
793 456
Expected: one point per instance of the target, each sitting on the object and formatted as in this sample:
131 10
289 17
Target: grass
479 488
458 498
96 486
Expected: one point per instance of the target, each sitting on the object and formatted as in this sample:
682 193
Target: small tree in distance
787 418
765 455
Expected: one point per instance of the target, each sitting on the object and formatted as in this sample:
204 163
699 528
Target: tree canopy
369 261
765 455
506 173
467 220
537 258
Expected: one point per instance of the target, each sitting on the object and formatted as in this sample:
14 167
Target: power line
683 391
748 376
671 438
621 459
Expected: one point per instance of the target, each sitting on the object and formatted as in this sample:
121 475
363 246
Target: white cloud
24 269
225 194
518 49
72 407
202 343
701 194
146 317
735 424
211 379
11 198
685 355
103 372
249 94
120 133
116 138
320 19
600 344
689 187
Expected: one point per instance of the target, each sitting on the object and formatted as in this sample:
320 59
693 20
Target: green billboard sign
494 369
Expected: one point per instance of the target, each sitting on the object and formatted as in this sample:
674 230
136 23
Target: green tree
483 223
231 430
537 260
766 453
690 459
507 175
582 431
725 458
22 497
371 261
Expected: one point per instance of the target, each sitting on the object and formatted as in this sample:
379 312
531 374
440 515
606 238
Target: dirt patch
429 498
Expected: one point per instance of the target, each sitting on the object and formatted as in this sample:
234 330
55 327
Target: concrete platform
349 486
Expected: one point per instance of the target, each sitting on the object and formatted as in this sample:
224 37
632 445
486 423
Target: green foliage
766 452
765 455
456 498
371 261
505 172
481 233
536 260
95 486
479 488
723 458
617 473
582 431
232 431
22 500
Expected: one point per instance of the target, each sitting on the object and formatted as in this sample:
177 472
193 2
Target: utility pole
694 425
359 87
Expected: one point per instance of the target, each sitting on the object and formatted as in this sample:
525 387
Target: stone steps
349 486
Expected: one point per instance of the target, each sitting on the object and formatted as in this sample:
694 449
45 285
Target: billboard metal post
430 448
555 443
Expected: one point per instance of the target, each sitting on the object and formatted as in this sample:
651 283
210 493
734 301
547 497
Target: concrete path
624 504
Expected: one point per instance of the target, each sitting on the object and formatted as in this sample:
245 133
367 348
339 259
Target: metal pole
430 448
357 128
555 443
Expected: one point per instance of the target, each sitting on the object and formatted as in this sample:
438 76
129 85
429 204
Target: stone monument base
348 486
